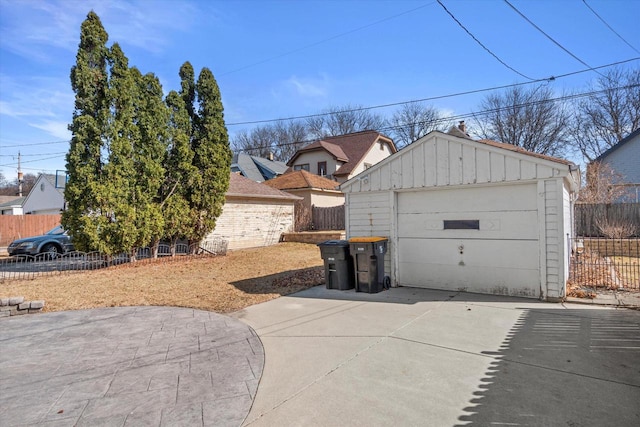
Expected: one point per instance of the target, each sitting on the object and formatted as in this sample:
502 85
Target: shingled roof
239 186
350 148
257 168
301 179
456 131
521 150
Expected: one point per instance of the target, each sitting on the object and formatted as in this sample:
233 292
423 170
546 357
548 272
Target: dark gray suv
54 242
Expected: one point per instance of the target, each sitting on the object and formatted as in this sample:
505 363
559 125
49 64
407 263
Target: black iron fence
600 263
29 267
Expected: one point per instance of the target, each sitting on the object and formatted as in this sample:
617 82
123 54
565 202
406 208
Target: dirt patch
222 284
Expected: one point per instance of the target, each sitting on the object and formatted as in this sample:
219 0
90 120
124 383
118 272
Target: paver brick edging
15 306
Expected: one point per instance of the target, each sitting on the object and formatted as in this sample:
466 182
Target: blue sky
275 59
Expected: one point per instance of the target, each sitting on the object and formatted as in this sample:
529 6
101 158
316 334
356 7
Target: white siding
556 222
444 160
43 199
248 223
370 214
567 213
521 202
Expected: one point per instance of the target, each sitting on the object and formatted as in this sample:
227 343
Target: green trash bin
338 264
368 258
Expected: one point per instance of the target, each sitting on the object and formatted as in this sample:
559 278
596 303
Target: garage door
477 239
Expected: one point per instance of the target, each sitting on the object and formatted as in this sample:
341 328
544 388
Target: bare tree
414 120
10 188
530 119
343 120
291 136
282 139
260 141
608 115
600 185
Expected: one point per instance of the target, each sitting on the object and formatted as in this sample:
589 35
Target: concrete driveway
412 357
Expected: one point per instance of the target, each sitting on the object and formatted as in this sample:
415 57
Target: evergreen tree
152 118
212 157
84 192
188 90
180 172
119 177
141 169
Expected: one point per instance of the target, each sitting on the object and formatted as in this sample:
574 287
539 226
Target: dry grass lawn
222 284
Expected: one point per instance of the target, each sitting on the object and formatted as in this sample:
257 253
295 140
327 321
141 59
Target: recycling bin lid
334 243
371 239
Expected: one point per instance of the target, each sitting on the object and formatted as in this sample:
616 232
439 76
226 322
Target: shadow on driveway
584 364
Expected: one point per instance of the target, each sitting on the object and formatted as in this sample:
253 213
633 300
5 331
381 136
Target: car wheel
51 250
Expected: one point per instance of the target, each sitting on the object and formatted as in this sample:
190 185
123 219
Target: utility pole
20 177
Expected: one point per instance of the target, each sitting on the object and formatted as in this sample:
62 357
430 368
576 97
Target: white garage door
482 239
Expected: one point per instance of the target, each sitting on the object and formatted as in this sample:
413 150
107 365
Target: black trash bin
368 256
338 264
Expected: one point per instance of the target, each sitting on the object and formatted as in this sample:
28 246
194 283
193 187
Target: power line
406 12
33 161
464 115
480 43
609 26
32 155
432 98
551 38
33 144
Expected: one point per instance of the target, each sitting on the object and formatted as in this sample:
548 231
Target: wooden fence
14 227
328 218
591 218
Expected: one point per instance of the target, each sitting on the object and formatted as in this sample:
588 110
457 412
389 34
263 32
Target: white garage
465 215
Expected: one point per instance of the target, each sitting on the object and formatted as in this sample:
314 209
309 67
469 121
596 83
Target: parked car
54 242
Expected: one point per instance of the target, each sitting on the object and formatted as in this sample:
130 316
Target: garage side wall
248 223
370 214
557 224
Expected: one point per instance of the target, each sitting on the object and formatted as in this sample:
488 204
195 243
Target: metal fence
611 264
29 267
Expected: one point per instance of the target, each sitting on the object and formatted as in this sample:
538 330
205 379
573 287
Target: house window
322 168
462 224
303 167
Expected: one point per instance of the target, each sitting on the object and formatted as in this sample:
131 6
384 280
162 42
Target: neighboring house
315 190
254 214
466 215
46 197
342 157
11 205
624 160
257 169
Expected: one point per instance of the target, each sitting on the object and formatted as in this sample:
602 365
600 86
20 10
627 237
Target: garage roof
239 186
301 179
